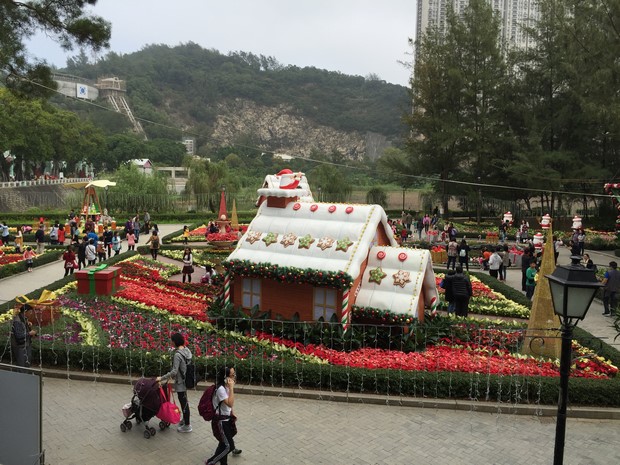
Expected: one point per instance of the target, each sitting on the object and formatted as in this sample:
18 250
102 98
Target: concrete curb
594 413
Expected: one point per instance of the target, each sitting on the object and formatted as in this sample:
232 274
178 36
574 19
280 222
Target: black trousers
225 446
184 406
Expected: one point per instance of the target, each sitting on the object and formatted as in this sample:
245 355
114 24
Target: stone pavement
81 425
81 422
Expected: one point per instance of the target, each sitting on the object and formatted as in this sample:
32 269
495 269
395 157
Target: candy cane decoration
227 289
344 319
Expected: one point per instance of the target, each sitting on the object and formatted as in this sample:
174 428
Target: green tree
66 22
457 89
377 195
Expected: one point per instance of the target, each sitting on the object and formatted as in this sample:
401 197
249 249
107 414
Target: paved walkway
81 422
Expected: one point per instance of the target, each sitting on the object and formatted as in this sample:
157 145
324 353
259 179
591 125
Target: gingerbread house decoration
315 260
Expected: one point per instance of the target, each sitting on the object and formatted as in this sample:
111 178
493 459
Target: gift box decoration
101 280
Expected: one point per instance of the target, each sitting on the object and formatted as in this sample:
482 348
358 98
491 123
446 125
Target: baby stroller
144 405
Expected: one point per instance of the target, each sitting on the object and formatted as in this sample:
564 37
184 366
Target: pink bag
168 412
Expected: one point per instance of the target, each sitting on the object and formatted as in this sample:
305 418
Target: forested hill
224 96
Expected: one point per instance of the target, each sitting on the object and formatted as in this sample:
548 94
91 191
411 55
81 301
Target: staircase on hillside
114 89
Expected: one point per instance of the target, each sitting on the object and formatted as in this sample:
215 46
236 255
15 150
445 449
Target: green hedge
279 373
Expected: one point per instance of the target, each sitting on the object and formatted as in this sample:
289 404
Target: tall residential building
514 16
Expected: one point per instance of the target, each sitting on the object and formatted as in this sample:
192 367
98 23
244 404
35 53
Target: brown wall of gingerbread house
282 298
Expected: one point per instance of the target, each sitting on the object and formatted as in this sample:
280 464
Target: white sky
356 37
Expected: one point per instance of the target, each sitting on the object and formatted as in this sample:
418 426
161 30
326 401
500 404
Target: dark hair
452 272
177 339
614 265
463 242
221 375
459 268
208 268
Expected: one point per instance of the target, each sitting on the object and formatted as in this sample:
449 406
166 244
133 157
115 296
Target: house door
324 306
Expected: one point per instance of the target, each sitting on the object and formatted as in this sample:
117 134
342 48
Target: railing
43 182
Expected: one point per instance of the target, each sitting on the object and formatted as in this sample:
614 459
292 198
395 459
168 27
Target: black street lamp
572 290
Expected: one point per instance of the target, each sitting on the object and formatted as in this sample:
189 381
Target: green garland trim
291 275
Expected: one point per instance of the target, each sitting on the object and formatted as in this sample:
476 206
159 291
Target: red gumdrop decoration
314 207
402 256
332 209
381 255
349 210
297 206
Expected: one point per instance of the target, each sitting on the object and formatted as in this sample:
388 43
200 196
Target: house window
324 303
251 293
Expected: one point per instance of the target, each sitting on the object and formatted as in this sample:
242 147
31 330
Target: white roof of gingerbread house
395 278
315 235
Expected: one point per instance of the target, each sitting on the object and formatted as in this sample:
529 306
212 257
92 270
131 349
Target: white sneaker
185 429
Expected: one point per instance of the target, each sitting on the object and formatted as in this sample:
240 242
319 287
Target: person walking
188 267
461 292
29 256
223 402
505 263
495 263
581 241
446 285
611 281
108 235
21 337
182 356
526 259
463 252
69 259
91 252
154 241
101 253
147 222
19 239
136 227
530 283
452 253
185 234
54 234
39 237
131 241
116 243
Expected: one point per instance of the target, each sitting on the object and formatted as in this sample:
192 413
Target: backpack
190 373
205 406
463 253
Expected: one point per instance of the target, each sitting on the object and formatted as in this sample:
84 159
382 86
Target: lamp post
572 291
404 189
320 198
106 198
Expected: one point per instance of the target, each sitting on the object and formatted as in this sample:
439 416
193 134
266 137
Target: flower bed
131 331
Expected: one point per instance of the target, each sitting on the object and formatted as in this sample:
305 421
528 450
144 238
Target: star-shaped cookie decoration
376 275
325 243
305 242
401 278
270 238
288 239
253 236
344 244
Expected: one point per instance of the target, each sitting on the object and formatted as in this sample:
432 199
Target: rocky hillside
283 130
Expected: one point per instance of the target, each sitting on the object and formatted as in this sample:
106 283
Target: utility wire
323 162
